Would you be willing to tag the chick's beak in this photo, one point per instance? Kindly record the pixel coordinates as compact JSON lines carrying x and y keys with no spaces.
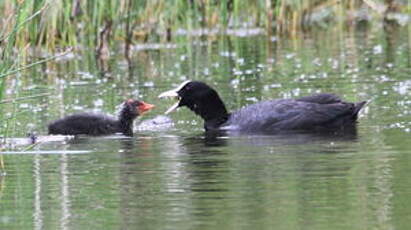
{"x":144,"y":107}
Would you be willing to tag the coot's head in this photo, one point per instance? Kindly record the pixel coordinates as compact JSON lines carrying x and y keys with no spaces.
{"x":132,"y":108}
{"x":199,"y":97}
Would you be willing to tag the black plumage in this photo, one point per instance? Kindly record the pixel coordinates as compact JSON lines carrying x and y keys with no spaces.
{"x":316,"y":112}
{"x":96,"y":124}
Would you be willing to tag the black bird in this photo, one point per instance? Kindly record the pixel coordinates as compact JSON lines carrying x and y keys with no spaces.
{"x":99,"y":124}
{"x":310,"y":113}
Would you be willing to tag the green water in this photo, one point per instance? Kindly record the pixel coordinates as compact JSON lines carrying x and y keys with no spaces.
{"x":177,"y":178}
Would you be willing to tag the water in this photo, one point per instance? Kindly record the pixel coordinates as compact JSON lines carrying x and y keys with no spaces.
{"x":176,"y":177}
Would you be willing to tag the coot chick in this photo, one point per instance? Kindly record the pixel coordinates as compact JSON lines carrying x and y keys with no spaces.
{"x":311,"y":113}
{"x":99,"y":124}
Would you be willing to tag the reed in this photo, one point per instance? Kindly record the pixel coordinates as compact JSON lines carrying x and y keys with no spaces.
{"x":74,"y":22}
{"x":12,"y":58}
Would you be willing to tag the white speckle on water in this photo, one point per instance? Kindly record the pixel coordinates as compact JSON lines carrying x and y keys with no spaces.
{"x":377,"y":49}
{"x":228,"y":54}
{"x":98,"y":102}
{"x":317,"y":62}
{"x":289,"y":56}
{"x":251,"y":99}
{"x":135,"y":92}
{"x":79,"y":83}
{"x":275,"y":86}
{"x":149,"y":84}
{"x":77,"y":107}
{"x":206,"y":71}
{"x":235,"y":82}
{"x":85,"y":75}
{"x":24,"y":106}
{"x":237,"y":72}
{"x":249,"y":71}
{"x":403,"y":87}
{"x":384,"y":78}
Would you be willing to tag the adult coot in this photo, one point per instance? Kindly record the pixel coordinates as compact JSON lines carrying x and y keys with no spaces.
{"x":311,"y":113}
{"x":100,"y":124}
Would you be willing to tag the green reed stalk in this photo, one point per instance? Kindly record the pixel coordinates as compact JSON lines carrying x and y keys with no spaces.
{"x":11,"y":61}
{"x":74,"y":22}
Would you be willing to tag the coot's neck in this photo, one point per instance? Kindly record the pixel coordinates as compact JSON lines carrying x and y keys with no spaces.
{"x":216,"y":123}
{"x":125,"y":122}
{"x":212,"y":110}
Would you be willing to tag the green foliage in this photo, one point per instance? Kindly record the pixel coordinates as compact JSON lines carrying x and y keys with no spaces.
{"x":68,"y":22}
{"x":12,"y":37}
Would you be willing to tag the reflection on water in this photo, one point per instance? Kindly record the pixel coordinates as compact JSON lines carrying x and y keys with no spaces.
{"x":38,"y":213}
{"x":178,"y":177}
{"x":187,"y":180}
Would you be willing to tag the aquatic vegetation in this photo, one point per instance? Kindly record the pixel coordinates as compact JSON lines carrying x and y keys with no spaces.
{"x":101,"y":24}
{"x":12,"y":61}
